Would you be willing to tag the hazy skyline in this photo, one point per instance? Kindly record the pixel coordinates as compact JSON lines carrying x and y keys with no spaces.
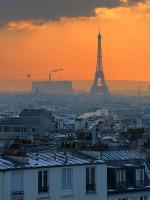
{"x":36,"y":36}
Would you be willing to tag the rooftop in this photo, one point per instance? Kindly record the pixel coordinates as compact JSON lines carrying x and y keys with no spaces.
{"x":53,"y":158}
{"x":47,"y":159}
{"x":32,"y":112}
{"x":120,"y":155}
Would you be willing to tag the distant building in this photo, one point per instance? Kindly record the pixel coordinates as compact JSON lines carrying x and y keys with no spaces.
{"x":37,"y":117}
{"x":52,"y":87}
{"x":29,"y":122}
{"x":65,"y":121}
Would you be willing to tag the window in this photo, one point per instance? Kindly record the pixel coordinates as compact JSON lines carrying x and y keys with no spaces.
{"x":143,"y":198}
{"x":42,"y":181}
{"x":90,"y":179}
{"x":67,"y":174}
{"x":140,"y":177}
{"x":17,"y":181}
{"x":33,"y":129}
{"x":121,"y":177}
{"x":6,"y":129}
{"x":16,"y":129}
{"x":25,"y":129}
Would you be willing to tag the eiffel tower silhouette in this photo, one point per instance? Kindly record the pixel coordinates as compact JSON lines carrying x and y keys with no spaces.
{"x":99,"y":85}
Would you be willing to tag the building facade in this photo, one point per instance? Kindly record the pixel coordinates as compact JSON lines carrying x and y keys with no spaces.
{"x":74,"y":175}
{"x":52,"y":87}
{"x":53,"y":176}
{"x":30,"y":122}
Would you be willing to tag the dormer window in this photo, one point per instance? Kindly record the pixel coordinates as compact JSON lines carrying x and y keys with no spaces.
{"x":139,"y":177}
{"x":121,"y":178}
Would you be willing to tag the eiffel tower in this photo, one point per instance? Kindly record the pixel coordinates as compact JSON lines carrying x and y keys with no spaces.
{"x":99,"y":85}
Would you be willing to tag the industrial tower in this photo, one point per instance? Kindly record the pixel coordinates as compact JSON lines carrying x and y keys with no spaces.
{"x":99,"y":85}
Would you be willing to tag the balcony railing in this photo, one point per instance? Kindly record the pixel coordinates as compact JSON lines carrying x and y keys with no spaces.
{"x":121,"y":184}
{"x":43,"y":190}
{"x":17,"y":195}
{"x":139,"y":183}
{"x":91,"y":187}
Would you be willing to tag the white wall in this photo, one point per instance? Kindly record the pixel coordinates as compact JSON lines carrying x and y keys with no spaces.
{"x":79,"y":184}
{"x":78,"y":192}
{"x":5,"y":185}
{"x":30,"y":182}
{"x":1,"y":185}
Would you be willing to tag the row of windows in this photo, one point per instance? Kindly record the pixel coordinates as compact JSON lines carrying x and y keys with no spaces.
{"x":139,"y":177}
{"x":16,"y":129}
{"x":67,"y":180}
{"x":134,"y":198}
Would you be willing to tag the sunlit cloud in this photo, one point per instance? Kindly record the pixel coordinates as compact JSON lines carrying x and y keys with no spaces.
{"x":85,"y":10}
{"x":139,"y":10}
{"x":124,"y":1}
{"x":142,"y":10}
{"x":105,"y":13}
{"x":25,"y":25}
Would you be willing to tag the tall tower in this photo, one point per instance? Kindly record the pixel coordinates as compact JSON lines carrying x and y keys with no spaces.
{"x":99,"y":85}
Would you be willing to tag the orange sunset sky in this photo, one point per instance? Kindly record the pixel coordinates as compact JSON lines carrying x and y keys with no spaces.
{"x":71,"y":43}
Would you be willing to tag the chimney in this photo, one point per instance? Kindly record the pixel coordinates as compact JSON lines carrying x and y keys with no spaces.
{"x":94,"y":135}
{"x":50,"y":78}
{"x":16,"y":155}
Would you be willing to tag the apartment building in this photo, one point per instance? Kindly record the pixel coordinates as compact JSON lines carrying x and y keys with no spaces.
{"x":52,"y":175}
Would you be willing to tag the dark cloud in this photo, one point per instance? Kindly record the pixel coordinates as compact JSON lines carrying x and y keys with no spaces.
{"x":42,"y":10}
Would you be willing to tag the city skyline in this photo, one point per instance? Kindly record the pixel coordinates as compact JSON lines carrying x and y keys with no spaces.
{"x":32,"y":45}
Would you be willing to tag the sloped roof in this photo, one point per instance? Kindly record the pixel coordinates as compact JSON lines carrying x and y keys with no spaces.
{"x":121,"y":155}
{"x":48,"y":159}
{"x":32,"y":112}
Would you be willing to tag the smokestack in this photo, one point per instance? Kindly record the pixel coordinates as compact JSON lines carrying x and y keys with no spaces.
{"x":94,"y":135}
{"x":50,"y":78}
